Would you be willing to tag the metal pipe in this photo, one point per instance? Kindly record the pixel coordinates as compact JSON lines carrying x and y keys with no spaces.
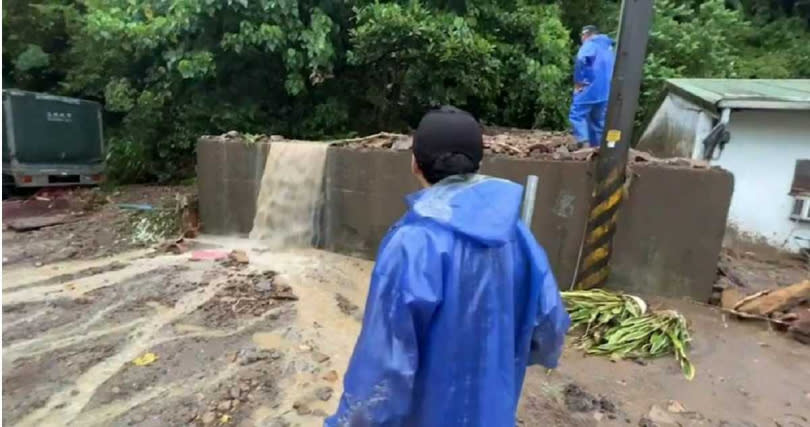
{"x":529,"y":195}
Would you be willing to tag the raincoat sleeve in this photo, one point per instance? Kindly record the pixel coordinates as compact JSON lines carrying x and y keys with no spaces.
{"x":404,"y":293}
{"x":583,"y":64}
{"x":552,"y":321}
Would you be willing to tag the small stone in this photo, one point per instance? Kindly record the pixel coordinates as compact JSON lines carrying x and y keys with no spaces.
{"x":209,"y":418}
{"x":248,"y":356}
{"x":239,"y":256}
{"x":607,"y":406}
{"x":116,"y":390}
{"x":302,"y":408}
{"x":76,"y":392}
{"x":264,"y":286}
{"x":660,"y":418}
{"x":304,"y":347}
{"x":232,"y":134}
{"x":38,"y":264}
{"x":324,"y":393}
{"x":281,"y":280}
{"x":675,"y":407}
{"x":402,"y":143}
{"x":251,"y":397}
{"x":223,"y":406}
{"x":319,"y":357}
{"x":234,"y":392}
{"x":331,"y":376}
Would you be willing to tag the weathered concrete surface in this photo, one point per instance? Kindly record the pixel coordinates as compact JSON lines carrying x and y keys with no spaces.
{"x":560,"y":209}
{"x":363,"y":202}
{"x":364,"y":196}
{"x":669,"y":231}
{"x":229,"y":175}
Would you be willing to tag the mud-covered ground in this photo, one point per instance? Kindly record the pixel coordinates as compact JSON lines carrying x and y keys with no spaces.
{"x":266,"y":344}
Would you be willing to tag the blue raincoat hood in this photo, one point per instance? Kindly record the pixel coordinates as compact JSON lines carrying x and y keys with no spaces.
{"x":593,"y":68}
{"x":461,"y":300}
{"x":601,"y":40}
{"x":481,"y":208}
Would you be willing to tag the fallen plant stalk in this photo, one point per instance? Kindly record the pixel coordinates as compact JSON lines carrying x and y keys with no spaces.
{"x":619,"y":326}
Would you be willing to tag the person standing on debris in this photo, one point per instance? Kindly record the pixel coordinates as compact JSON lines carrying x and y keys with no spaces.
{"x":593,"y":69}
{"x":462,"y":297}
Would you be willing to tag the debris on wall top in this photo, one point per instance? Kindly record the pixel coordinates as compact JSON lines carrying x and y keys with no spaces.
{"x":508,"y":142}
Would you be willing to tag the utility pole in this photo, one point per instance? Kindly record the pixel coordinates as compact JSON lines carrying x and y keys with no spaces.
{"x":597,"y":243}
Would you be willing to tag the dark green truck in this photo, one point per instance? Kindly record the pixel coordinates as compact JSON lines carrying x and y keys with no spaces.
{"x":50,"y":141}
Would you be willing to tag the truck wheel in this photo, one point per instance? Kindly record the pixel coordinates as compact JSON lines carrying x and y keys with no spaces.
{"x":8,"y":186}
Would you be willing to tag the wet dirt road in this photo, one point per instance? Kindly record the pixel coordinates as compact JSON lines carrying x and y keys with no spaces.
{"x":234,"y":344}
{"x":234,"y":347}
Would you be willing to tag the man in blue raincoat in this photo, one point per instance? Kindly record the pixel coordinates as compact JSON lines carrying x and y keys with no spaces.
{"x":593,"y":69}
{"x":461,"y":300}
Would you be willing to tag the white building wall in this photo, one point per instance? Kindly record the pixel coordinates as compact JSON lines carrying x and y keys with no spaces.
{"x":762,"y":156}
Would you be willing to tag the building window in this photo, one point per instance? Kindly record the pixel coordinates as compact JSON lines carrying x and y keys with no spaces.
{"x":800,"y":190}
{"x":798,"y":207}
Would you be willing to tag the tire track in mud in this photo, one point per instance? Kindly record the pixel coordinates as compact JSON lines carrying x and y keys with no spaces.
{"x":64,"y":407}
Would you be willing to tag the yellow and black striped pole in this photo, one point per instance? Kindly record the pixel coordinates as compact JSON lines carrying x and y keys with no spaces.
{"x":597,"y":243}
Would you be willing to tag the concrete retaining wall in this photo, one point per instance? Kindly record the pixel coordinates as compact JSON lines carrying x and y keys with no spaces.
{"x":669,"y":232}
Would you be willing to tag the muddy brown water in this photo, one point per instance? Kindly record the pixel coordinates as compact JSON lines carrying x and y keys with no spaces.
{"x":224,"y":347}
{"x":290,"y":194}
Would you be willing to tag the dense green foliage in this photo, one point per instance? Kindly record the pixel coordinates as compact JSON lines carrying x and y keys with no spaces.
{"x":169,"y":71}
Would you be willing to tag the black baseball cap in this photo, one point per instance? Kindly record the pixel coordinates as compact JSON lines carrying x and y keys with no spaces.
{"x":448,"y":130}
{"x":589,"y":29}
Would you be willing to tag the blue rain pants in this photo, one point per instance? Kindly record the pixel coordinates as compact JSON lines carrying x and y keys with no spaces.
{"x":588,"y":122}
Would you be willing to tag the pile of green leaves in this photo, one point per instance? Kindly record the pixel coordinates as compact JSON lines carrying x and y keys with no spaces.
{"x":619,"y":326}
{"x":595,"y":309}
{"x":154,"y":226}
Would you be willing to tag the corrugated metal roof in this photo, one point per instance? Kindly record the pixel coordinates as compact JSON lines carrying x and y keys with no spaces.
{"x":759,"y":94}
